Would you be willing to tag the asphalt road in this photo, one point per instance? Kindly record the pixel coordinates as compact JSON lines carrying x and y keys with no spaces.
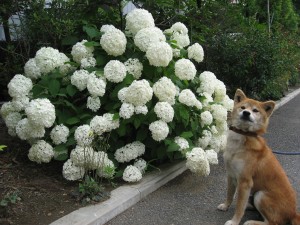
{"x":192,"y":200}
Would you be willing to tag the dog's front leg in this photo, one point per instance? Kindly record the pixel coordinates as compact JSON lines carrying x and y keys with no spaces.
{"x":230,"y":193}
{"x":243,"y":192}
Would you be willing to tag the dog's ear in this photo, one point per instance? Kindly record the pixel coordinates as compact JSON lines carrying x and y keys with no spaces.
{"x":269,"y":107}
{"x":239,"y":96}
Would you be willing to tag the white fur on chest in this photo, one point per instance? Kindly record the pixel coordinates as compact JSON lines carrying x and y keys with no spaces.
{"x":232,"y":155}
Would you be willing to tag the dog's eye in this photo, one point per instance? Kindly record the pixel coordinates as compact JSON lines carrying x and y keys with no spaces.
{"x":243,"y":107}
{"x":255,"y":110}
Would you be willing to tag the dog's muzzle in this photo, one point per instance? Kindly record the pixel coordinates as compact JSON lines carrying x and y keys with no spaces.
{"x":246,"y":116}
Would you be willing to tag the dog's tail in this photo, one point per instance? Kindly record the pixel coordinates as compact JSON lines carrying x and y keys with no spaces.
{"x":296,"y":219}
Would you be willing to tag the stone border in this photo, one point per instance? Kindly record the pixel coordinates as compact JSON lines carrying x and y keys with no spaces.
{"x":126,"y":196}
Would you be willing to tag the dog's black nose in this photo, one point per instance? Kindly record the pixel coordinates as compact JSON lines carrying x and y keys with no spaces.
{"x":246,"y":113}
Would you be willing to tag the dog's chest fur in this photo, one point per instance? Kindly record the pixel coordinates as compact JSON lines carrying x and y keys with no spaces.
{"x":233,"y":155}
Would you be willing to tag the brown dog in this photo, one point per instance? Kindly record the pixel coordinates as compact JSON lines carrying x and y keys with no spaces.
{"x":252,"y":168}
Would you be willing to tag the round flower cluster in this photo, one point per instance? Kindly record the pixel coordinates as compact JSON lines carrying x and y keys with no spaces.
{"x":207,"y":84}
{"x":132,"y":174}
{"x":188,"y":98}
{"x":138,"y":19}
{"x":164,"y":111}
{"x":84,"y":135}
{"x":126,"y":110}
{"x":159,"y":130}
{"x":129,"y":152}
{"x":93,"y":103}
{"x":219,"y":112}
{"x":113,"y":41}
{"x":80,"y":51}
{"x":196,"y":52}
{"x":11,"y":121}
{"x":179,"y":33}
{"x":115,"y":71}
{"x":206,"y":118}
{"x":134,"y":67}
{"x":19,"y":86}
{"x":147,"y":36}
{"x":41,"y":112}
{"x":139,"y":93}
{"x":159,"y":54}
{"x":31,"y":70}
{"x":40,"y":152}
{"x":185,"y":69}
{"x":88,"y":62}
{"x":79,"y":79}
{"x":105,"y":123}
{"x":71,"y":171}
{"x":141,"y":164}
{"x":182,"y":142}
{"x":141,"y":109}
{"x":96,"y":86}
{"x":212,"y":156}
{"x":59,"y":134}
{"x":165,"y":90}
{"x":28,"y":131}
{"x":197,"y":162}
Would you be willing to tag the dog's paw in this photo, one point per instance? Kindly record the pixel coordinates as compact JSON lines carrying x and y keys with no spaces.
{"x":223,"y":207}
{"x":250,"y":222}
{"x":230,"y":222}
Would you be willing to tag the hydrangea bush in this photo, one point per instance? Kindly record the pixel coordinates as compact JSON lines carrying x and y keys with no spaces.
{"x":138,"y":91}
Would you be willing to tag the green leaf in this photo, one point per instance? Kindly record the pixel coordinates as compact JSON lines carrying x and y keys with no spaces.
{"x":161,"y":152}
{"x":122,"y":130}
{"x":70,"y":105}
{"x":173,"y":147}
{"x":2,"y":147}
{"x":91,"y":44}
{"x":137,"y":123}
{"x":92,"y":32}
{"x":187,"y":134}
{"x":54,"y":87}
{"x":70,"y":40}
{"x":72,"y":121}
{"x":71,"y":90}
{"x":116,"y":116}
{"x":62,"y":156}
{"x":37,"y":90}
{"x":101,"y":61}
{"x":142,"y":134}
{"x":60,"y":148}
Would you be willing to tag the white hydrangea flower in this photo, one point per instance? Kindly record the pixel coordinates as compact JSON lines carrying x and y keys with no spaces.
{"x":83,"y":157}
{"x":221,"y":126}
{"x":113,"y":41}
{"x":188,"y":98}
{"x":208,"y":80}
{"x":185,"y":69}
{"x":105,"y":123}
{"x":106,"y":169}
{"x":79,"y":79}
{"x":26,"y":130}
{"x":219,"y":112}
{"x":139,"y":92}
{"x":20,"y":103}
{"x":87,"y":62}
{"x":207,"y":100}
{"x":204,"y":141}
{"x":11,"y":121}
{"x":182,"y":142}
{"x":80,"y":51}
{"x":182,"y":40}
{"x":196,"y":52}
{"x":132,"y":174}
{"x":228,"y":103}
{"x":147,"y":36}
{"x":197,"y":162}
{"x":31,"y":70}
{"x":138,"y":19}
{"x":212,"y":157}
{"x":59,"y":134}
{"x":129,"y":152}
{"x":220,"y":91}
{"x":215,"y":143}
{"x":206,"y":118}
{"x":179,"y":28}
{"x":165,"y":90}
{"x":47,"y":59}
{"x":141,"y":164}
{"x":96,"y":86}
{"x":41,"y":152}
{"x":84,"y":135}
{"x":19,"y":86}
{"x":115,"y":71}
{"x":41,"y":112}
{"x":126,"y":110}
{"x":159,"y":130}
{"x":107,"y":27}
{"x":134,"y":67}
{"x":7,"y":108}
{"x":176,"y":52}
{"x":71,"y":171}
{"x":93,"y":103}
{"x":122,"y":94}
{"x":214,"y":130}
{"x":164,"y":111}
{"x":141,"y":109}
{"x":159,"y":54}
{"x":64,"y":66}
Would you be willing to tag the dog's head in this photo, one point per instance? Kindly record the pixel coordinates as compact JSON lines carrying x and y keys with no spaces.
{"x":250,"y":115}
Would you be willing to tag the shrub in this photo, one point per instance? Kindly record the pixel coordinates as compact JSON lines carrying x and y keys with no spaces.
{"x":147,"y":103}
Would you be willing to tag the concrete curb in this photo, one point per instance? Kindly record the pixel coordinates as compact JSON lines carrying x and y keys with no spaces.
{"x":126,"y":196}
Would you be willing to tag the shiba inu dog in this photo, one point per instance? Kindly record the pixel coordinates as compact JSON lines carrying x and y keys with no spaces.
{"x":253,"y":170}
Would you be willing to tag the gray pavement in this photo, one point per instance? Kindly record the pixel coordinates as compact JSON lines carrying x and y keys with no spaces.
{"x":192,"y":200}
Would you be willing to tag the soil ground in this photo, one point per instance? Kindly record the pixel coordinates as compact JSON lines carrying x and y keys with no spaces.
{"x":43,"y":195}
